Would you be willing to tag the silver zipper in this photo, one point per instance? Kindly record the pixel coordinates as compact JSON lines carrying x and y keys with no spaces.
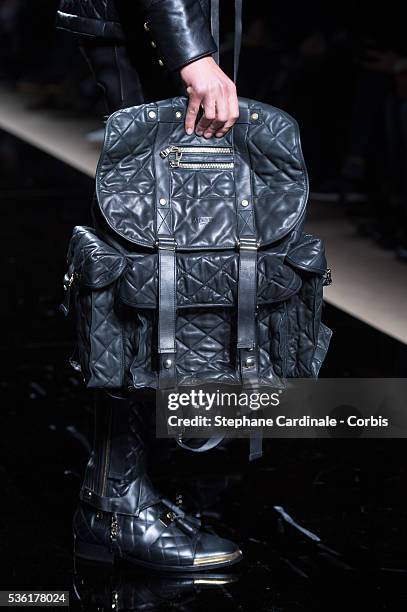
{"x":202,"y":165}
{"x":200,"y":149}
{"x":114,"y":528}
{"x":179,"y":151}
{"x":327,"y":277}
{"x":68,"y":281}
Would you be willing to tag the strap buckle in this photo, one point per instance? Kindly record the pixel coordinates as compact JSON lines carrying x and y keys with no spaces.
{"x":247,"y":244}
{"x":167,"y":518}
{"x":166,"y":243}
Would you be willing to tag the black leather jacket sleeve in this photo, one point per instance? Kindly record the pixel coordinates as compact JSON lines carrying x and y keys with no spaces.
{"x":180,"y":29}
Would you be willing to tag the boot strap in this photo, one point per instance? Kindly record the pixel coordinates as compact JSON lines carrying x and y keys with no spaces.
{"x":132,"y":503}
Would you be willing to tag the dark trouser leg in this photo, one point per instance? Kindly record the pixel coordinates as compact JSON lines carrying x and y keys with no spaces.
{"x":118,"y":457}
{"x":114,"y":73}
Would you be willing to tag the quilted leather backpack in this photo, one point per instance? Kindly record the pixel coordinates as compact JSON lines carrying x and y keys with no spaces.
{"x":199,"y":270}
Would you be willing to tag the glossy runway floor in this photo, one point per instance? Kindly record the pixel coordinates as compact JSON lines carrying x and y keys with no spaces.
{"x":350,"y":493}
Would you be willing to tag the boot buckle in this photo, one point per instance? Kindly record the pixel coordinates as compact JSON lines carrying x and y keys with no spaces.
{"x":167,"y":518}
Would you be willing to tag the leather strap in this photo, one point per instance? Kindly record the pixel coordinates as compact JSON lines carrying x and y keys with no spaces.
{"x":157,"y":528}
{"x":238,"y":38}
{"x":256,"y":446}
{"x":237,"y":35}
{"x":246,"y":314}
{"x":247,"y":294}
{"x":131,"y":503}
{"x":165,"y":520}
{"x":215,"y":27}
{"x":247,"y":286}
{"x":205,"y":446}
{"x":167,"y":312}
{"x":166,"y":260}
{"x":188,"y":525}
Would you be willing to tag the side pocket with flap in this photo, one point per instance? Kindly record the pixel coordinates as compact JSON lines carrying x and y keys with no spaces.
{"x":95,"y":268}
{"x":308,"y":337}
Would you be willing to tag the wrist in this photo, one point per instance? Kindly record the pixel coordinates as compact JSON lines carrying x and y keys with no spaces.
{"x":205,"y":56}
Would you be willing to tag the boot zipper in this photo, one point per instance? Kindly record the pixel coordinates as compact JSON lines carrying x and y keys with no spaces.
{"x":114,"y":528}
{"x":198,"y":165}
{"x":106,"y":456}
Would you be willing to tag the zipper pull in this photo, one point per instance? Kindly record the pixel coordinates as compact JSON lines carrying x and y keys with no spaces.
{"x":68,"y":282}
{"x":174,"y":163}
{"x":327,"y":278}
{"x":165,"y":152}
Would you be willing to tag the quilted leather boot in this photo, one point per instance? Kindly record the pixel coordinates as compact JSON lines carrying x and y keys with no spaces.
{"x":121,"y":515}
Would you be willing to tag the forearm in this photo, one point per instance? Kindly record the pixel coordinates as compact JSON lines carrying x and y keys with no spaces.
{"x":180,"y":29}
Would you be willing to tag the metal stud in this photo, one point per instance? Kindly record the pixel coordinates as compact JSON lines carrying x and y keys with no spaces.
{"x":167,"y":364}
{"x":255,"y":116}
{"x":178,"y":114}
{"x":245,"y":203}
{"x":153,"y":44}
{"x":152,"y":114}
{"x":147,"y":29}
{"x":163,"y":201}
{"x":249,"y":362}
{"x":160,"y":62}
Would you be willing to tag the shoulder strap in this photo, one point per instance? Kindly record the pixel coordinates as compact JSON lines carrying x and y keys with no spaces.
{"x":215,"y":27}
{"x":237,"y":36}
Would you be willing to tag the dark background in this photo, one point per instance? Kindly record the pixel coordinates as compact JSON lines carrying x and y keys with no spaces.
{"x":311,"y":60}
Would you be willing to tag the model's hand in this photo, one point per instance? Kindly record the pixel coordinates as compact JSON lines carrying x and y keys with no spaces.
{"x":208,"y":86}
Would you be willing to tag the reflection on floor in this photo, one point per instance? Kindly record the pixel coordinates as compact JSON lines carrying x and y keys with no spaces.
{"x":350,"y":493}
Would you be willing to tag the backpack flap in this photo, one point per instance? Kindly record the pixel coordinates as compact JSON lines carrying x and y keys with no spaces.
{"x":308,"y":254}
{"x":153,"y":179}
{"x":92,"y":263}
